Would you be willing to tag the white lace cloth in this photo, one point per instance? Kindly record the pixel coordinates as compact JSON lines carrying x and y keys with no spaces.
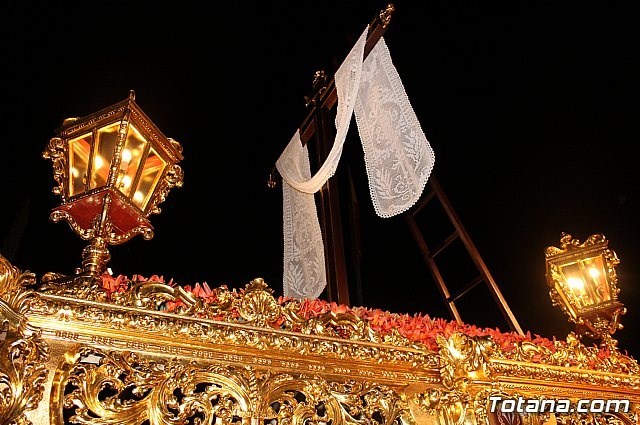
{"x":398,"y":159}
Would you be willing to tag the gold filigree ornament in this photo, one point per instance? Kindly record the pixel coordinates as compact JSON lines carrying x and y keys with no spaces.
{"x":23,"y":352}
{"x":464,"y":359}
{"x":573,"y":353}
{"x":156,"y":354}
{"x":97,"y":387}
{"x":463,"y":362}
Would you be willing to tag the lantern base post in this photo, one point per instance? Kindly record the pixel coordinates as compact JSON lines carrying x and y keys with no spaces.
{"x":87,"y":282}
{"x":95,"y":257}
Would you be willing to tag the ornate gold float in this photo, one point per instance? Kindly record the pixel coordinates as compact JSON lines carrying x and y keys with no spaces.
{"x":152,"y":353}
{"x":92,"y":349}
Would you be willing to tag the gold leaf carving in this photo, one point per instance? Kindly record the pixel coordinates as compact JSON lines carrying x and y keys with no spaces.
{"x":572,"y":353}
{"x":98,"y":387}
{"x":22,"y":351}
{"x":56,"y":152}
{"x":464,"y":358}
{"x":173,"y":177}
{"x":14,"y":285}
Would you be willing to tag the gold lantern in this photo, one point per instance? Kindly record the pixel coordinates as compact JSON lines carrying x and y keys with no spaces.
{"x":583,"y":282}
{"x":113,"y":168}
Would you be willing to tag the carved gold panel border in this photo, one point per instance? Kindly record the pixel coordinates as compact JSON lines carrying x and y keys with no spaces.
{"x":85,"y":359}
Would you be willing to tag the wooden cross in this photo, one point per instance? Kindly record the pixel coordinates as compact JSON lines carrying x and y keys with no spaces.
{"x":318,"y":125}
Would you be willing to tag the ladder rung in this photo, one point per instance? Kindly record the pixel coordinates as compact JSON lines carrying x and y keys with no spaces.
{"x":452,"y":237}
{"x":435,"y":191}
{"x":469,"y":286}
{"x":423,"y":201}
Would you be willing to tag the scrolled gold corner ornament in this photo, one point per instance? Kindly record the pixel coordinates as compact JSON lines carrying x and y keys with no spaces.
{"x":463,"y":361}
{"x":23,"y":353}
{"x":583,"y":282}
{"x":15,"y":286}
{"x":96,"y":387}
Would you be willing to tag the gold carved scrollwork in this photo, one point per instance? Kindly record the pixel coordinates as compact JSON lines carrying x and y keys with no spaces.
{"x":23,"y":353}
{"x":575,"y":418}
{"x":153,"y":295}
{"x":98,"y":387}
{"x":463,"y":359}
{"x":173,"y":177}
{"x":312,"y":400}
{"x":448,"y":407}
{"x":14,"y":286}
{"x":572,"y":353}
{"x":56,"y":152}
{"x":85,"y":234}
{"x":254,"y":305}
{"x":80,"y":286}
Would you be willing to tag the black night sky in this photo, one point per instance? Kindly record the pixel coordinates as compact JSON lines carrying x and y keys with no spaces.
{"x":531,"y":108}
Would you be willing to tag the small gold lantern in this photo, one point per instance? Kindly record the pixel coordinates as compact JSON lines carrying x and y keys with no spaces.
{"x":112,"y":168}
{"x":583,"y":282}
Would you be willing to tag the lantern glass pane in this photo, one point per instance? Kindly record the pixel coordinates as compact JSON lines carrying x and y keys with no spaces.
{"x":596,"y":272}
{"x":132,"y":153}
{"x":586,"y":282}
{"x":103,"y":155}
{"x":151,"y":174}
{"x":578,"y":293}
{"x":79,"y":152}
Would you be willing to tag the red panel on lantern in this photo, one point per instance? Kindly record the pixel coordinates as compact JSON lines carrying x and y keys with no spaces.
{"x":86,"y":210}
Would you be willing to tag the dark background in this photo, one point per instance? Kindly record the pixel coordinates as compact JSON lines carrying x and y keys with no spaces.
{"x":530,"y":106}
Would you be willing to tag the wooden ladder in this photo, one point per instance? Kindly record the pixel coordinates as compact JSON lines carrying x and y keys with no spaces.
{"x":434,"y":193}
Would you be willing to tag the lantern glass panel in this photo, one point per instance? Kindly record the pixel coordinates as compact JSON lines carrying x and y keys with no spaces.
{"x":151,"y":174}
{"x":596,"y":271}
{"x":579,"y":293}
{"x":132,"y":154}
{"x":586,"y":279}
{"x":103,"y":155}
{"x":79,"y":152}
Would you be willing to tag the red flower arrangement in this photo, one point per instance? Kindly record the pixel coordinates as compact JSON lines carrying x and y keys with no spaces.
{"x":416,"y":328}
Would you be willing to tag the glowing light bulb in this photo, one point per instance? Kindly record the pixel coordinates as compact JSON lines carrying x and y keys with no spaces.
{"x":126,"y":155}
{"x":576,"y":283}
{"x":126,"y":182}
{"x":74,"y":172}
{"x":98,"y":162}
{"x":594,"y":273}
{"x":138,"y":197}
